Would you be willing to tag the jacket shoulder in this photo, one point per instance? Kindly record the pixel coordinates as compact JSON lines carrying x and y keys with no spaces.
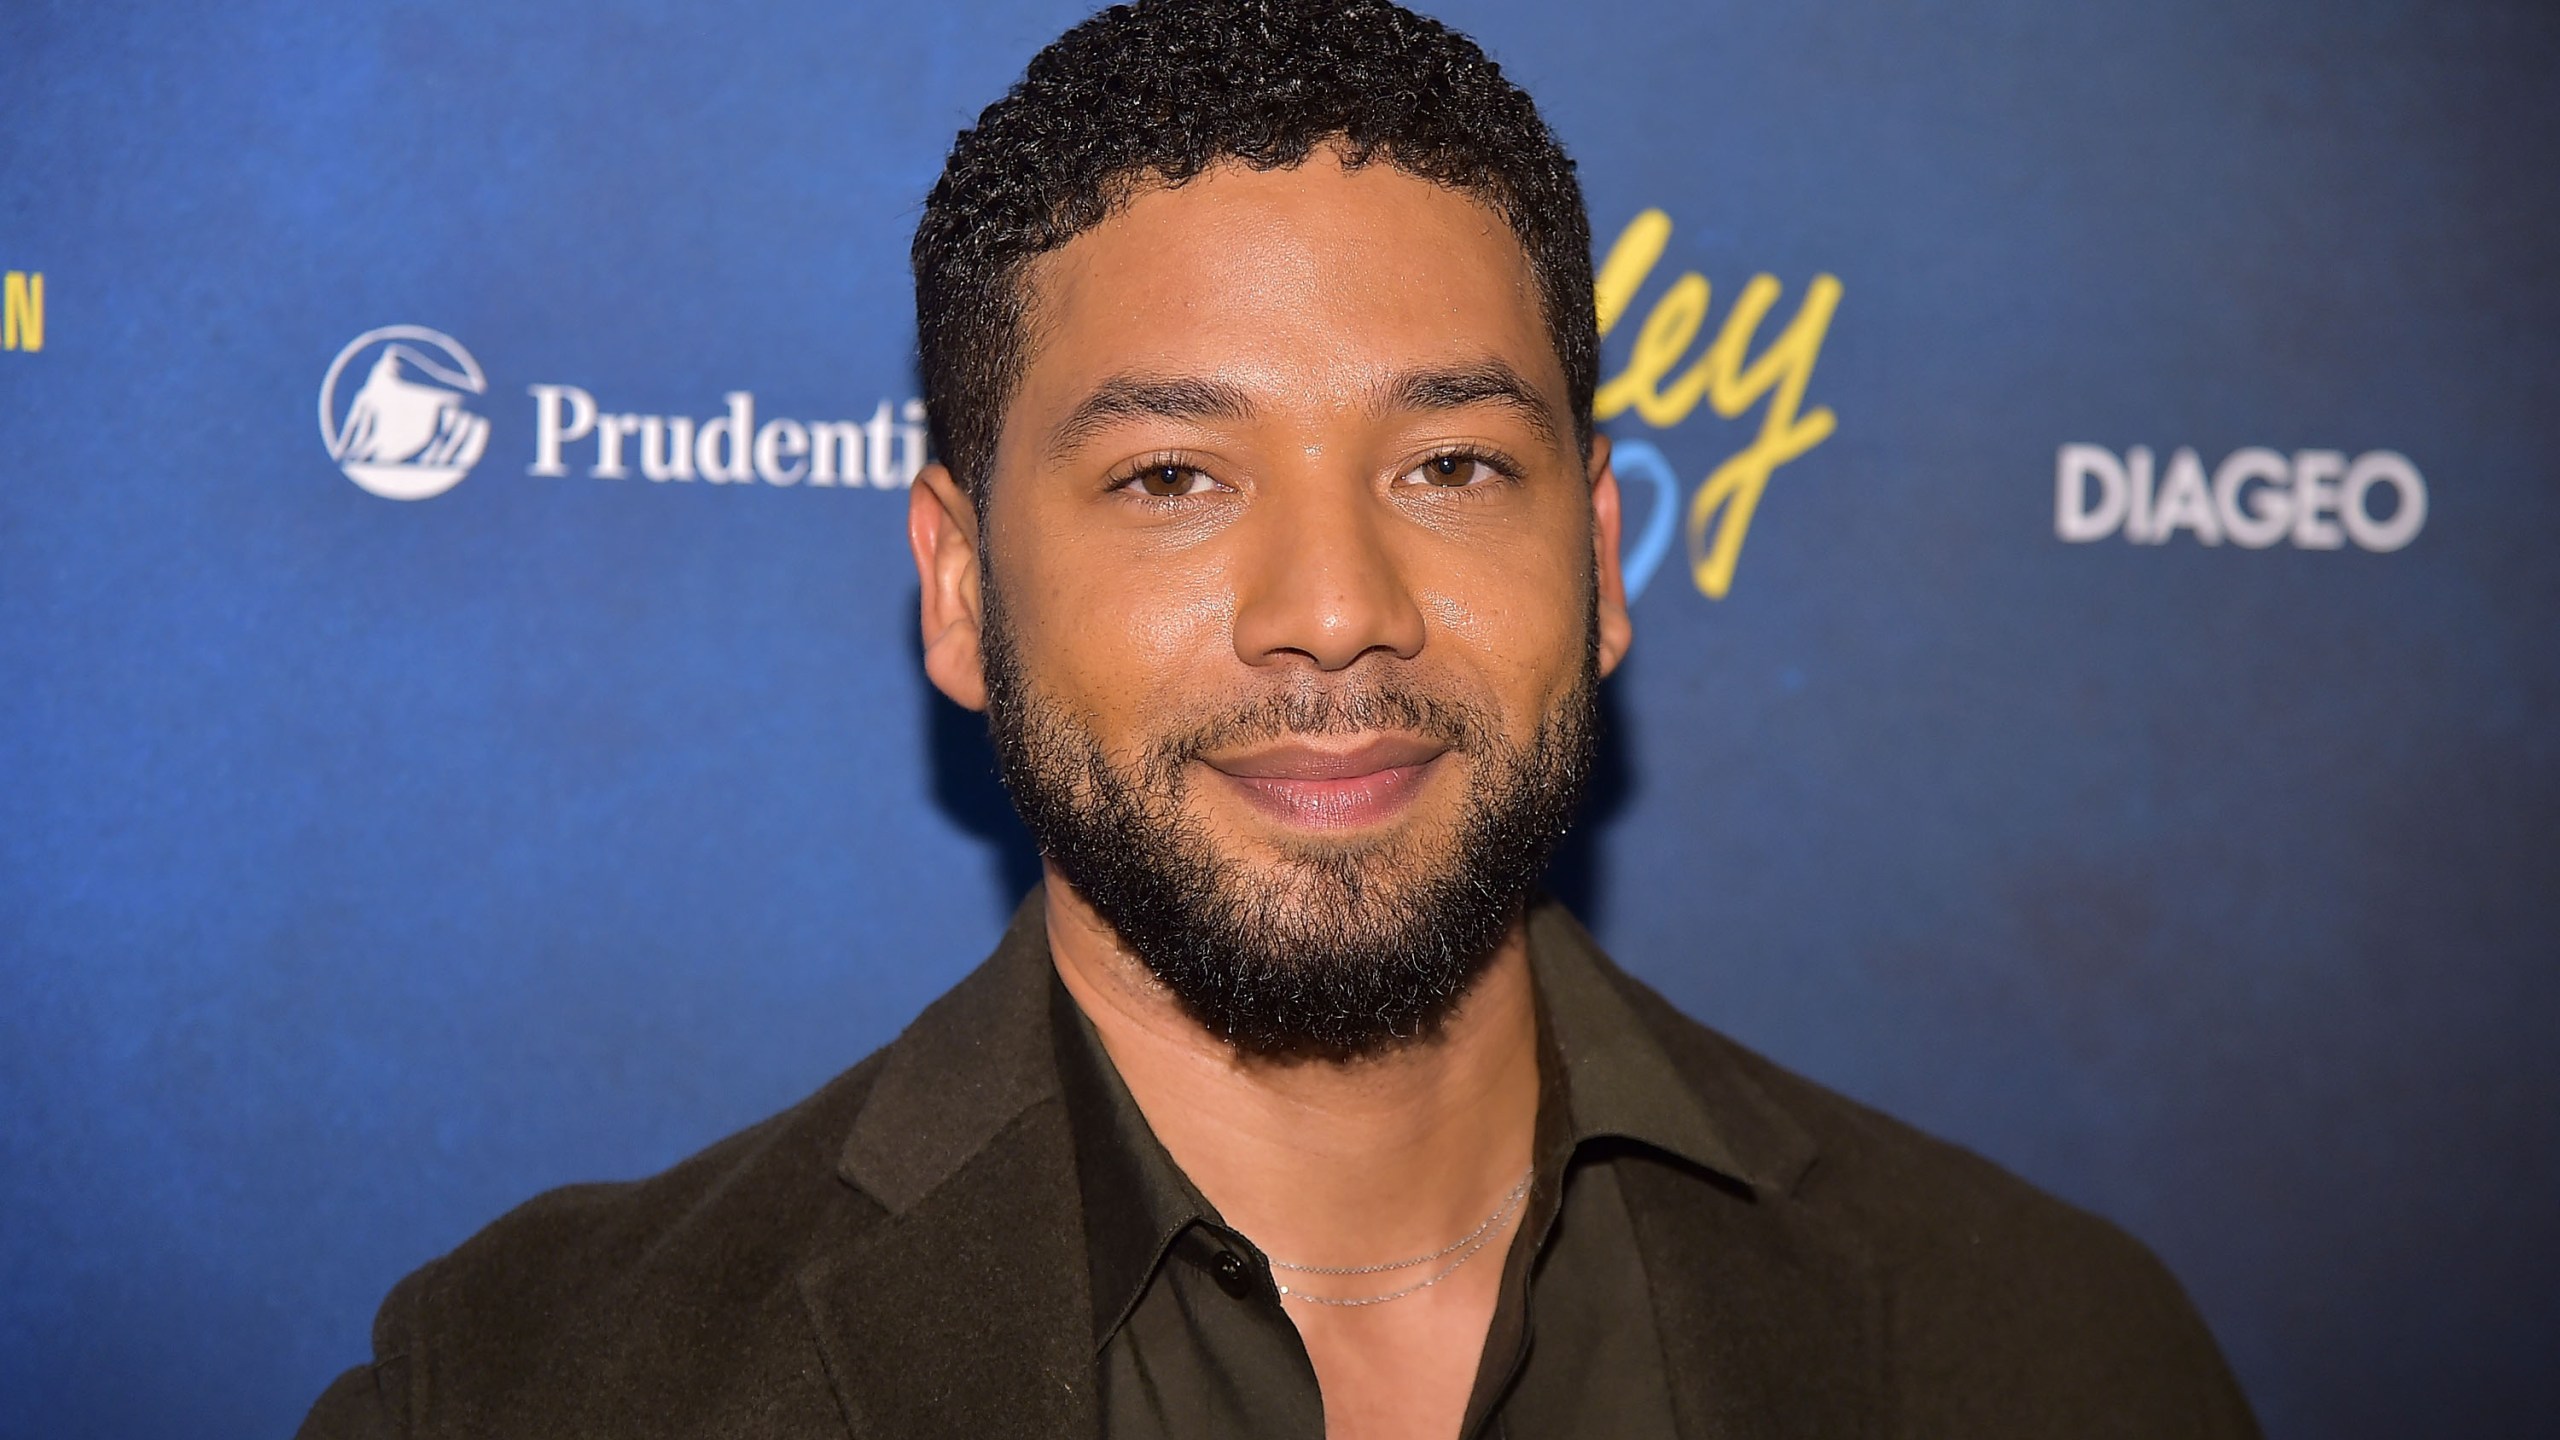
{"x":2005,"y":1309}
{"x":663,"y":1305}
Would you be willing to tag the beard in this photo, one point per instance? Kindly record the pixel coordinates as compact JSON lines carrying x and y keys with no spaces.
{"x":1340,"y":949}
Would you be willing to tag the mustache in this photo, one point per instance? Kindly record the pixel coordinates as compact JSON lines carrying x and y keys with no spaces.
{"x":1330,"y":710}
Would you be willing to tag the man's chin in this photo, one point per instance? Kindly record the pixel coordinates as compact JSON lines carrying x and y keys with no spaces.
{"x":1307,"y":942}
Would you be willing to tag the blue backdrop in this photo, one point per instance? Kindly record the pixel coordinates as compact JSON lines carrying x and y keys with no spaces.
{"x":367,"y":864}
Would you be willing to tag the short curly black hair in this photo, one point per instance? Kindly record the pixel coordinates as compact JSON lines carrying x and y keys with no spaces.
{"x":1161,"y":90}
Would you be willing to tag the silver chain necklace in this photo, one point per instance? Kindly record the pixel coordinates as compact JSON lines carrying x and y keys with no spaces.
{"x":1465,"y":1247}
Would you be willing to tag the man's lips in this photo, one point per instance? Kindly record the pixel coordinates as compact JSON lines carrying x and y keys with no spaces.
{"x":1308,"y":760}
{"x":1331,"y":786}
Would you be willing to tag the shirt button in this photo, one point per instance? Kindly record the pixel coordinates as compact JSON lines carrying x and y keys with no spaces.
{"x":1234,"y":1276}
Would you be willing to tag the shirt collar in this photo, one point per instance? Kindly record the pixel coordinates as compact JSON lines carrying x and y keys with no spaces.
{"x":1137,"y":1201}
{"x":1617,"y":1079}
{"x":1605,"y":1075}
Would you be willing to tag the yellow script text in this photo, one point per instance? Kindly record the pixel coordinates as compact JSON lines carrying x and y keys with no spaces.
{"x":1725,"y":375}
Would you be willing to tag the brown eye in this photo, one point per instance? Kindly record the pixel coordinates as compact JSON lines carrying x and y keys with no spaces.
{"x":1451,"y":471}
{"x":1166,"y":481}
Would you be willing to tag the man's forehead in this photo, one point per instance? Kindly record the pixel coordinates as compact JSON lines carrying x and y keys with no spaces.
{"x":1232,"y":219}
{"x":1268,"y":270}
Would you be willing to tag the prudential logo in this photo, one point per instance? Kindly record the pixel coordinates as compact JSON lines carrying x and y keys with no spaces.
{"x":405,"y":431}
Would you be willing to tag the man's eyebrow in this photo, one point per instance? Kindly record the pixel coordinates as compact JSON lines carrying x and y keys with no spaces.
{"x":1159,"y":397}
{"x":1178,"y":397}
{"x":1483,"y":382}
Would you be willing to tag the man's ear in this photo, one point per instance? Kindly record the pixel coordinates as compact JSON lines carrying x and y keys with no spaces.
{"x":1617,"y":631}
{"x":942,"y":530}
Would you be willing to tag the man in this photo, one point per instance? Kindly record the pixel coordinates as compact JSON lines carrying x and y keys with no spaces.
{"x":1272,"y":535}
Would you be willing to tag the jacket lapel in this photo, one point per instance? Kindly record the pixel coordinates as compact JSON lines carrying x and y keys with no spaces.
{"x":967,"y":1316}
{"x":1770,"y":1325}
{"x":963,"y":1311}
{"x":1771,"y":1318}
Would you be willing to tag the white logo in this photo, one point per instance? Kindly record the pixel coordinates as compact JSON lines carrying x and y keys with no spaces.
{"x":883,"y":452}
{"x":405,"y":433}
{"x":2257,"y":497}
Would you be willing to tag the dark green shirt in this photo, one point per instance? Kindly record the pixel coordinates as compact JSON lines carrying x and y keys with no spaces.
{"x":1190,"y":1336}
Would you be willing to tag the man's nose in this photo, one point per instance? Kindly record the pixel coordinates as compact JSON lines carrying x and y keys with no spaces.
{"x":1317,"y":581}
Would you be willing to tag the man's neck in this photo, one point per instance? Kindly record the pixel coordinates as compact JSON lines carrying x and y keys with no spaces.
{"x":1321,"y":1163}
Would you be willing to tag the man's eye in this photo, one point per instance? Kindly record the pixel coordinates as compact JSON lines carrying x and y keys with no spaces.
{"x":1166,"y":482}
{"x":1454,"y":472}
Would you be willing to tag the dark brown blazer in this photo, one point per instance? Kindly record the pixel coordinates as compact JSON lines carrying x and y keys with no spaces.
{"x":902,"y":1254}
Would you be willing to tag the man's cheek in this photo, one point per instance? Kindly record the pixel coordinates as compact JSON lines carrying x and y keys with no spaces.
{"x":1166,"y":627}
{"x":1515,"y":624}
{"x":1117,"y":626}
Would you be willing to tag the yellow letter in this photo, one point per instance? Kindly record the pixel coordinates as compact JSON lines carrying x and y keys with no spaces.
{"x":1668,"y":328}
{"x":1724,"y":376}
{"x":1631,"y":258}
{"x":1786,"y":366}
{"x":23,"y":327}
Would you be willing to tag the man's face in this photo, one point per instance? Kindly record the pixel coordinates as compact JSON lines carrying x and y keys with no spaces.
{"x":1296,"y":588}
